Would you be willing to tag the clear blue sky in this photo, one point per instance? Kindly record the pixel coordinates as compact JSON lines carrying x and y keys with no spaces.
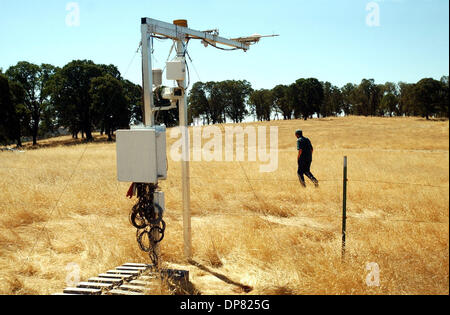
{"x":326,"y":39}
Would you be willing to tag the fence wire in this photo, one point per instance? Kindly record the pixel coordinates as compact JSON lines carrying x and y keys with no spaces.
{"x":249,"y":180}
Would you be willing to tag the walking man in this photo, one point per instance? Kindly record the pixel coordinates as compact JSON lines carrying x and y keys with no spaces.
{"x":305,"y":152}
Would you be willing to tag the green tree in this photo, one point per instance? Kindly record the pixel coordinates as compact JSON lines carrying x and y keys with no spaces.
{"x":333,"y":102}
{"x":261,"y":104}
{"x":112,"y":70}
{"x":198,"y":103}
{"x":9,"y":122}
{"x":443,"y":106}
{"x":22,"y":112}
{"x":348,"y":92}
{"x":216,"y":103}
{"x":283,"y":101}
{"x":429,"y":96}
{"x":34,"y":80}
{"x":367,"y":98}
{"x":235,"y":95}
{"x":308,"y":94}
{"x":133,"y":94}
{"x":15,"y":115}
{"x":109,"y":105}
{"x":325,"y":108}
{"x":337,"y":101}
{"x":362,"y":97}
{"x":49,"y":122}
{"x":389,"y":103}
{"x":70,"y":93}
{"x":407,"y":102}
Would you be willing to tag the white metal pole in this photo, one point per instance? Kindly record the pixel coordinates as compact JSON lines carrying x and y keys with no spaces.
{"x":185,"y":161}
{"x":147,"y":76}
{"x":147,"y":85}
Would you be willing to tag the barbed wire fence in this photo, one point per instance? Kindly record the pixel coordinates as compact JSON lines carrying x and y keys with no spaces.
{"x":248,"y":180}
{"x":339,"y":188}
{"x":345,"y":181}
{"x":259,"y":199}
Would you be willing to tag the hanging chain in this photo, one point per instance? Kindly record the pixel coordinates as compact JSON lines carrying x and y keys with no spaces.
{"x":147,"y":216}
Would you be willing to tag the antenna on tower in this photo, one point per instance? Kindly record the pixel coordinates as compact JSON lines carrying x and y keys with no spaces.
{"x":253,"y":39}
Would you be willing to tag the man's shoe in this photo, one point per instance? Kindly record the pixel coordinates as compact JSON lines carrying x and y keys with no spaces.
{"x":302,"y":182}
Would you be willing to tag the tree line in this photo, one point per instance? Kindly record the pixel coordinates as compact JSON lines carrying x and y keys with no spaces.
{"x":215,"y":102}
{"x":82,"y":97}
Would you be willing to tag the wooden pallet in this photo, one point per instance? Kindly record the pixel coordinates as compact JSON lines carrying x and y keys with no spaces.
{"x":128,"y":279}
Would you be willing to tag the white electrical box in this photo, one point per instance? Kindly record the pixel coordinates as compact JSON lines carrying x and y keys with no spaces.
{"x":141,"y":155}
{"x":176,"y":70}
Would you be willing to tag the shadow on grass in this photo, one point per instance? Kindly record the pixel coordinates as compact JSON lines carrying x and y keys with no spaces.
{"x":243,"y":287}
{"x":432,"y":119}
{"x":52,"y":143}
{"x":182,"y":287}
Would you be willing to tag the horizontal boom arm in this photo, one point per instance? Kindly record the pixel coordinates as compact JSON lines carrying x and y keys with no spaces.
{"x":180,"y":33}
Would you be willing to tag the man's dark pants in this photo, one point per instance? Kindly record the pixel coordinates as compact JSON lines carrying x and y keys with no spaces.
{"x":304,"y":168}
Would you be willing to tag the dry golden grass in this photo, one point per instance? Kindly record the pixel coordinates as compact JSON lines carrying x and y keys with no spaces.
{"x":62,"y":204}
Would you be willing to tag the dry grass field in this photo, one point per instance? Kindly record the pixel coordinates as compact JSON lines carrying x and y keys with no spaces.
{"x":61,"y":204}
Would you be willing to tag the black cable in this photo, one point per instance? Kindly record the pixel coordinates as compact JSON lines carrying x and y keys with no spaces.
{"x":157,"y":112}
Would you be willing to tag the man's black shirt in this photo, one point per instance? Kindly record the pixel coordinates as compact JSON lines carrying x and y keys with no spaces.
{"x":305,"y":145}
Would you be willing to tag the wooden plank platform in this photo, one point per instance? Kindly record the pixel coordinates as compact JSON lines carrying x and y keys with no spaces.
{"x":137,"y":265}
{"x":116,"y":276}
{"x":124,"y":272}
{"x":114,"y":281}
{"x":95,"y":285}
{"x":128,"y":279}
{"x":122,"y":292}
{"x":126,"y":268}
{"x":82,"y":291}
